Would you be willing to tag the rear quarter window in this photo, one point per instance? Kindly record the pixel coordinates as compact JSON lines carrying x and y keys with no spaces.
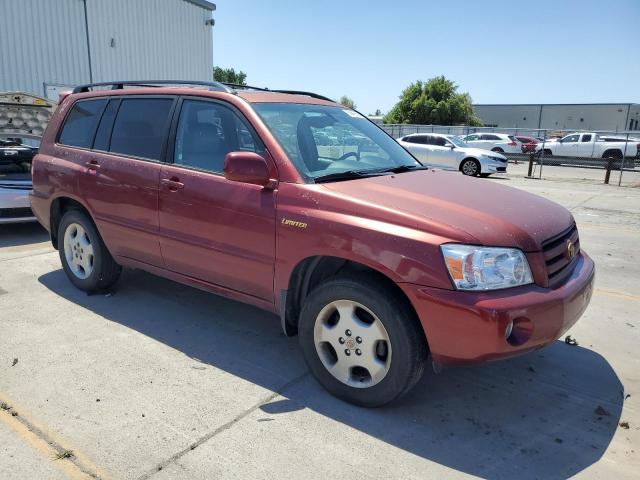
{"x":80,"y":125}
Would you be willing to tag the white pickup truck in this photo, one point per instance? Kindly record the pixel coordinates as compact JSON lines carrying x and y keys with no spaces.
{"x":591,"y":145}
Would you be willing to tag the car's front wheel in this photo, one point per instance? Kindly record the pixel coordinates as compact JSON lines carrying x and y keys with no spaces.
{"x":361,"y":340}
{"x":84,"y":256}
{"x":470,"y":167}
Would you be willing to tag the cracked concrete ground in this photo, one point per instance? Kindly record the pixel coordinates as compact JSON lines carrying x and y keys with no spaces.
{"x":162,"y":381}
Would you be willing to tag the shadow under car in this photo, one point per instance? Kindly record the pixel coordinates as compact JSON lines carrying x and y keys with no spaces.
{"x":534,"y":416}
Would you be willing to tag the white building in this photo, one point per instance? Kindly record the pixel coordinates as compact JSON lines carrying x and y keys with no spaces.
{"x":575,"y":116}
{"x":46,"y":44}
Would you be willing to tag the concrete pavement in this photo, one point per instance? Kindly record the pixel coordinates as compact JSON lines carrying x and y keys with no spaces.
{"x":158,"y":380}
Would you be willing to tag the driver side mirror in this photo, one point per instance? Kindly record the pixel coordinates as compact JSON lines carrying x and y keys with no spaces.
{"x":248,"y":167}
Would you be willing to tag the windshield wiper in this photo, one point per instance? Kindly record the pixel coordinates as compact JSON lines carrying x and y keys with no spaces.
{"x":347,"y":175}
{"x":403,"y":168}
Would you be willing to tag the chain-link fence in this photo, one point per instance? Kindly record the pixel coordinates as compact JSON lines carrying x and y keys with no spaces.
{"x":604,"y":156}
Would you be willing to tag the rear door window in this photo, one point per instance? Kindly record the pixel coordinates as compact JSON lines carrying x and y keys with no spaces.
{"x":80,"y":125}
{"x":140,"y":127}
{"x":586,"y":138}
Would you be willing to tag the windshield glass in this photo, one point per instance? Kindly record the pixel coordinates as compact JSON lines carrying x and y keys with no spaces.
{"x":457,"y":141}
{"x":322,"y":140}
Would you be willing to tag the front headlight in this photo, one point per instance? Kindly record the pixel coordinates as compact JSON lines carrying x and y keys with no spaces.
{"x":486,"y":268}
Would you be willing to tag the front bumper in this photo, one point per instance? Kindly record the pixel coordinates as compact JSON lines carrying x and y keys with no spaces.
{"x":469,"y":327}
{"x":15,"y":206}
{"x":493,"y":167}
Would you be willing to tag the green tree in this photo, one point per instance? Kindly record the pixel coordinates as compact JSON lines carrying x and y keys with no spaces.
{"x":229,"y":75}
{"x":434,"y":102}
{"x":347,"y":102}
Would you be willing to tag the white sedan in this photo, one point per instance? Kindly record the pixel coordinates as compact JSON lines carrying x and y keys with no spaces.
{"x":450,"y":152}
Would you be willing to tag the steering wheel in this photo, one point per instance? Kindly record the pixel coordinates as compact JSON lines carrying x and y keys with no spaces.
{"x":349,"y":154}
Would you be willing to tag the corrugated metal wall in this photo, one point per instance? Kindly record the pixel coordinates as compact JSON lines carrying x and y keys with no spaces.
{"x":156,"y":39}
{"x":44,"y":41}
{"x":564,"y":117}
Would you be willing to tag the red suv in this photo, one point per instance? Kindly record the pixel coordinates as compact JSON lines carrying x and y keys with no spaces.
{"x":298,"y":205}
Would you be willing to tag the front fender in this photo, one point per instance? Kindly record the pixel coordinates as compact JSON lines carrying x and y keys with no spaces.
{"x":306,"y":229}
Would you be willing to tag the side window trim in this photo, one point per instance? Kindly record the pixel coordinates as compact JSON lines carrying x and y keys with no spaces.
{"x":171,"y":143}
{"x":113,"y":121}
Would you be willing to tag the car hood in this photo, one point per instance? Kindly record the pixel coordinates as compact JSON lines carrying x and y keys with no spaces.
{"x":457,"y":207}
{"x":476,"y":152}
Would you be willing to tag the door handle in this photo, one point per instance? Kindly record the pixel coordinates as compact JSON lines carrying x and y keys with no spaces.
{"x":92,"y":166}
{"x":174,"y":184}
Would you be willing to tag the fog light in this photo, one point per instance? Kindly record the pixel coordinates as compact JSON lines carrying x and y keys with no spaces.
{"x":508,"y":330}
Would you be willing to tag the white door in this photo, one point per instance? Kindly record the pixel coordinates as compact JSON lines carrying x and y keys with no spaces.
{"x":568,"y":146}
{"x":416,"y":144}
{"x":441,"y":152}
{"x":585,"y":145}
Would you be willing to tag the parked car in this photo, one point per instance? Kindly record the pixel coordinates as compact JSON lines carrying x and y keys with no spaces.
{"x":496,"y":142}
{"x":23,"y":118}
{"x":591,"y":145}
{"x":376,"y":261}
{"x":451,"y":152}
{"x":528,"y":143}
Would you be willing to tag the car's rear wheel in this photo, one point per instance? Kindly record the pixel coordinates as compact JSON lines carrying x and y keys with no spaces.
{"x":470,"y":167}
{"x":361,"y":340}
{"x":85,"y":259}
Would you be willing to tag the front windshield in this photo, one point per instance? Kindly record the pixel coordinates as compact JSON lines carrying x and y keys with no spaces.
{"x":457,"y":141}
{"x":322,"y":140}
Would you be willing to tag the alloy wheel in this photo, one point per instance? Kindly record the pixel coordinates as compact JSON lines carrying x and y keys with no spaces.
{"x":352,"y":343}
{"x":78,"y":251}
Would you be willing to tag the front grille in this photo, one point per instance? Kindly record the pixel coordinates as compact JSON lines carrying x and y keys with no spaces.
{"x":15,"y":212}
{"x":555,"y":250}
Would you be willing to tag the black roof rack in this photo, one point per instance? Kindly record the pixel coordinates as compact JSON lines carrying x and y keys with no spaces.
{"x":217,"y":86}
{"x":261,"y":89}
{"x":119,"y":85}
{"x":239,"y":86}
{"x":308,"y":94}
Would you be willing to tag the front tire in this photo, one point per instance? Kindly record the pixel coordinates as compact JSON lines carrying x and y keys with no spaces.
{"x":84,"y":256}
{"x":470,"y":167}
{"x":361,"y":340}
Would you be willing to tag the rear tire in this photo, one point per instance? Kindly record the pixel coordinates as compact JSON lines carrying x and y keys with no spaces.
{"x":470,"y":167}
{"x":84,"y":256}
{"x":361,"y":315}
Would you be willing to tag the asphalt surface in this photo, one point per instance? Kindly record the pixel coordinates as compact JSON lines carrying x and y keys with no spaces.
{"x":158,"y":380}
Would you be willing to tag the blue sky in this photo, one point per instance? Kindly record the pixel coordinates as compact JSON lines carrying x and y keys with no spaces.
{"x":543,"y":51}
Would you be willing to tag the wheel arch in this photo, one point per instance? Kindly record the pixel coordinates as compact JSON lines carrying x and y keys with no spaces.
{"x":58,"y":207}
{"x":312,"y":271}
{"x":612,"y":153}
